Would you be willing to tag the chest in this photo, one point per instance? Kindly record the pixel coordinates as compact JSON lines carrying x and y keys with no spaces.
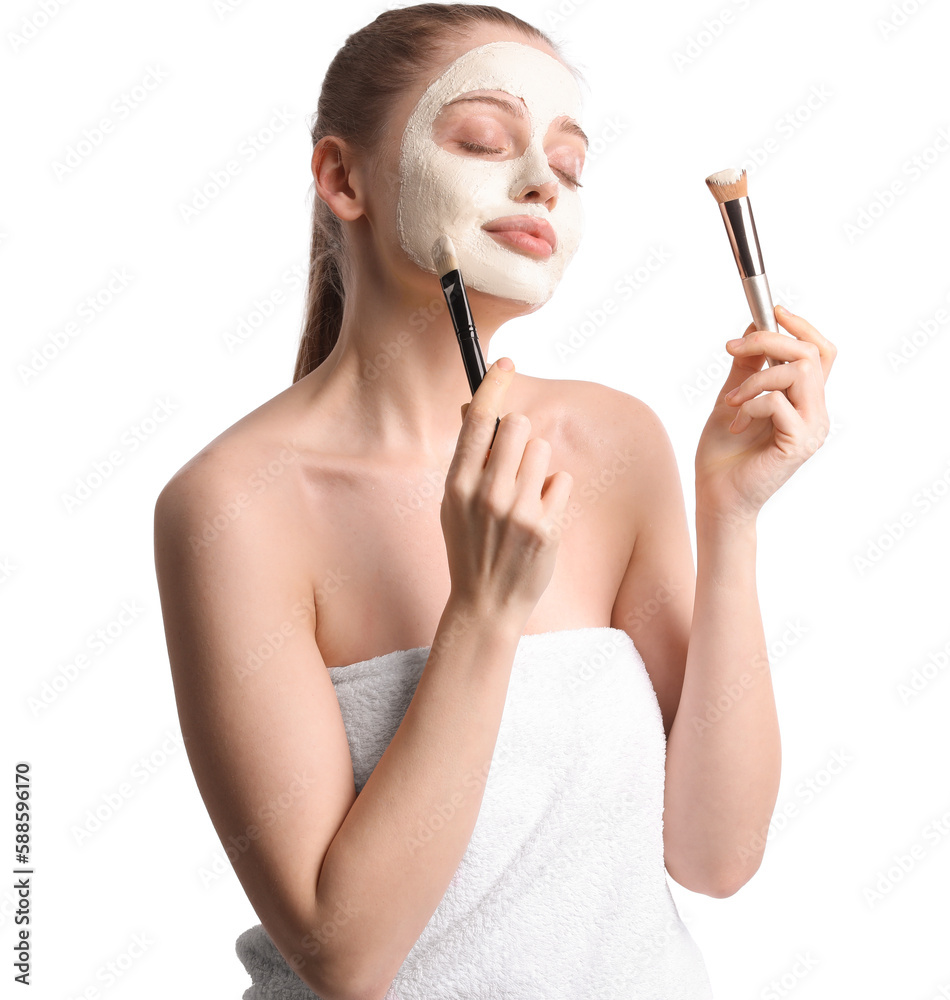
{"x":382,"y":579}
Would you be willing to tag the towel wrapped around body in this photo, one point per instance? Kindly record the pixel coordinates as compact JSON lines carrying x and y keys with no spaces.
{"x":562,"y":891}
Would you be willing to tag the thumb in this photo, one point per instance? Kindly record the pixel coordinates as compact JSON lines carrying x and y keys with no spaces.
{"x":465,"y":407}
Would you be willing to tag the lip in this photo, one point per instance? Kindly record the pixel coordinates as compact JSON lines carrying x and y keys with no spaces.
{"x":524,"y":232}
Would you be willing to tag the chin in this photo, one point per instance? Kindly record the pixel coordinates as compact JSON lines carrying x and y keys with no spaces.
{"x":501,"y":307}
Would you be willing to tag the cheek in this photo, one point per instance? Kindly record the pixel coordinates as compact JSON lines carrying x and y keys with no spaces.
{"x":458,"y":187}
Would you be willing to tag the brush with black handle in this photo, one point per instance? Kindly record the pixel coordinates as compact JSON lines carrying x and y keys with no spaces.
{"x":447,"y":267}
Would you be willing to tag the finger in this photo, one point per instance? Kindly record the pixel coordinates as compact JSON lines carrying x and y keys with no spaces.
{"x":779,"y":346}
{"x":478,"y":423}
{"x":743,"y":365}
{"x":556,"y":494}
{"x":799,"y":379}
{"x":803,"y":330}
{"x":776,"y":406}
{"x":506,"y":454}
{"x":535,"y":460}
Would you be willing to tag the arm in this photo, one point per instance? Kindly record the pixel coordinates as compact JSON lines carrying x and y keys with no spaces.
{"x":724,"y":755}
{"x":701,"y":639}
{"x":255,"y":737}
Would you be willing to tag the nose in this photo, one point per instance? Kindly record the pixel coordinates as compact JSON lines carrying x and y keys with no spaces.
{"x":536,"y":182}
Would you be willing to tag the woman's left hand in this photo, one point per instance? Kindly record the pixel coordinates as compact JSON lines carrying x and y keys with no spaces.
{"x":751,"y":444}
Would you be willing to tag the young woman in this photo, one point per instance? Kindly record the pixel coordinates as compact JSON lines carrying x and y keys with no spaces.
{"x":403,"y":653}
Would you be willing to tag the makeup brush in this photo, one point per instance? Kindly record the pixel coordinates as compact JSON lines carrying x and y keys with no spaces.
{"x":730,"y":189}
{"x":447,"y":267}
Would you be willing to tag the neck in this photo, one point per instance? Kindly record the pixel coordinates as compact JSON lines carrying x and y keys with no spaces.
{"x":394,"y":382}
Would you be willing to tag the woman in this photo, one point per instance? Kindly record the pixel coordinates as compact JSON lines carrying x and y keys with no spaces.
{"x":437,"y":761}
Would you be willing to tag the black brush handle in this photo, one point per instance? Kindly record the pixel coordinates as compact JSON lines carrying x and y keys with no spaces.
{"x":457,"y":301}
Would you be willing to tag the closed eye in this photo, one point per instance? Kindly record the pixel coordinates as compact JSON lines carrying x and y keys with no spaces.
{"x":569,"y":178}
{"x":475,"y":147}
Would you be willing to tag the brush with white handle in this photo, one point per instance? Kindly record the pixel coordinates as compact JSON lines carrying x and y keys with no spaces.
{"x":730,"y":189}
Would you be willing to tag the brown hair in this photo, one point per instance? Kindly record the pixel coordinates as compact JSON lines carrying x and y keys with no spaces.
{"x":375,"y":65}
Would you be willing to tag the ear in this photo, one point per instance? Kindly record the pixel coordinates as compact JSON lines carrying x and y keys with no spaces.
{"x":338,"y":178}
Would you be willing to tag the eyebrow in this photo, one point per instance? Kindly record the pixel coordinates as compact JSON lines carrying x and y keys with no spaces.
{"x":518,"y":110}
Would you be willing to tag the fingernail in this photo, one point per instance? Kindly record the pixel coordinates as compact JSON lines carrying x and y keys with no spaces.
{"x":784,"y":310}
{"x":505,"y":363}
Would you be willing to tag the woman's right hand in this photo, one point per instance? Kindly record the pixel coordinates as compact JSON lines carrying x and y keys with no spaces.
{"x":501,"y":512}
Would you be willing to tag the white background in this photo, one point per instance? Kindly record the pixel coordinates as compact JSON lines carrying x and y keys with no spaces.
{"x":850,"y":612}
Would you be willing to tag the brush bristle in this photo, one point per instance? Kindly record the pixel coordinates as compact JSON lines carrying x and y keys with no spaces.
{"x":443,"y":254}
{"x":728,"y":184}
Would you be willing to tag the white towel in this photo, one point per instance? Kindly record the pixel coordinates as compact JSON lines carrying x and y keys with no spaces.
{"x":562,"y":891}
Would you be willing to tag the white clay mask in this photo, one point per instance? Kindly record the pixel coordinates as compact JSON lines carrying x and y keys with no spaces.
{"x":454,"y":193}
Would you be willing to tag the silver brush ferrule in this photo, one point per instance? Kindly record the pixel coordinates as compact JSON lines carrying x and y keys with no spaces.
{"x":740,"y":225}
{"x":737,"y":215}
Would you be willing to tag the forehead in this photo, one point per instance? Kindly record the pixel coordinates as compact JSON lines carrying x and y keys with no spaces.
{"x":544,"y":83}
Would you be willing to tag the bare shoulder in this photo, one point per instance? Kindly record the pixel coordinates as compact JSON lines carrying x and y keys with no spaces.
{"x":591,"y":417}
{"x":258,"y":454}
{"x":243,"y":488}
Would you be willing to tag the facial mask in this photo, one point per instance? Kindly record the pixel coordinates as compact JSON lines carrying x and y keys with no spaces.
{"x":442,"y":193}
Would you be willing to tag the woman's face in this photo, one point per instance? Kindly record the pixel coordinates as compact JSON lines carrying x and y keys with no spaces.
{"x":490,"y":156}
